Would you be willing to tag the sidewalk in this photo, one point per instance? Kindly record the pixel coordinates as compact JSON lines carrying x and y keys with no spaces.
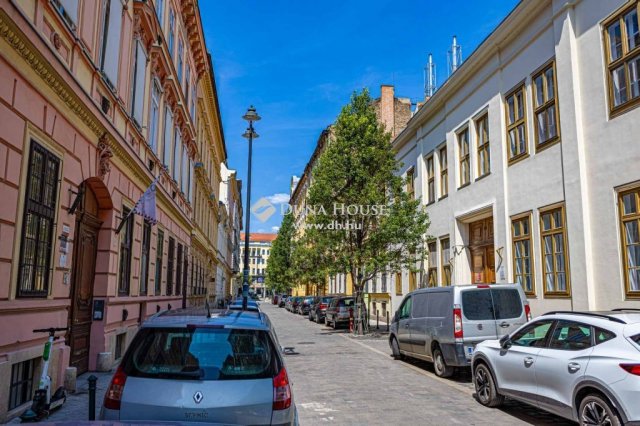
{"x":77,"y":405}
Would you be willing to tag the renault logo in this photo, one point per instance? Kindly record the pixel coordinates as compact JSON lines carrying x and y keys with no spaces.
{"x":198,"y":397}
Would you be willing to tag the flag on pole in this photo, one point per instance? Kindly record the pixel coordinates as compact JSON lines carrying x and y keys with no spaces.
{"x":146,"y":205}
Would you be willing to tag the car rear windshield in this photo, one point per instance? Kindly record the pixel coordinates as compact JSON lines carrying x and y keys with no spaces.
{"x":347,"y":302}
{"x":327,"y":299}
{"x":201,"y":354}
{"x":490,"y":304}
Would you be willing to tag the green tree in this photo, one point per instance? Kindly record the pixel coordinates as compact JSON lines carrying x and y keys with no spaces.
{"x":279,"y":273}
{"x":361,"y":221}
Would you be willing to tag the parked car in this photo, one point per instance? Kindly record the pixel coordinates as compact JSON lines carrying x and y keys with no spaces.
{"x":295,"y":301}
{"x":274,"y":299}
{"x":304,"y":305}
{"x":318,"y":308}
{"x":283,"y":301}
{"x":236,"y":305}
{"x":444,"y":324}
{"x":225,"y":369}
{"x":584,"y":366}
{"x":339,"y":311}
{"x":288,"y":303}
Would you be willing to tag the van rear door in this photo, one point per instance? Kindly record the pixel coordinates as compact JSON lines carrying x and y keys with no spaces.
{"x":478,"y":317}
{"x":509,"y":309}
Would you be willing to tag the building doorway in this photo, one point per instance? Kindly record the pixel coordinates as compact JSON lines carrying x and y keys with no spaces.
{"x":84,"y":261}
{"x":482,"y":251}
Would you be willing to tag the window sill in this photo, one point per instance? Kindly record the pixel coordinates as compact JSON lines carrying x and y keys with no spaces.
{"x":632,"y":295}
{"x":624,"y":108}
{"x":464,"y":186}
{"x":518,"y":158}
{"x":443,"y":197}
{"x":547,"y":144}
{"x":552,"y":295}
{"x":483,"y":176}
{"x":430,"y":203}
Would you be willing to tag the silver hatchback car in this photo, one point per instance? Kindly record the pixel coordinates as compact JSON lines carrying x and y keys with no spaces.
{"x":224,"y":368}
{"x":584,"y":366}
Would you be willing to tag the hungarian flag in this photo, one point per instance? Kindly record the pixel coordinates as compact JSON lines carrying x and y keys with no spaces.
{"x":146,"y":205}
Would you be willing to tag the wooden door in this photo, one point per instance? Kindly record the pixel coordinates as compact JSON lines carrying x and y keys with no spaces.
{"x":478,"y":263}
{"x":84,"y":262}
{"x":482,"y":252}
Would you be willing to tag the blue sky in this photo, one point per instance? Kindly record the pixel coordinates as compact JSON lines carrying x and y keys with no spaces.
{"x":299,"y":61}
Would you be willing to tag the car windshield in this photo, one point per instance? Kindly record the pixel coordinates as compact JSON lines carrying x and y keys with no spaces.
{"x":201,"y":354}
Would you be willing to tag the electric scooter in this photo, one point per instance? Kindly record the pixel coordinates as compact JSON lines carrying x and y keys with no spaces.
{"x":43,"y":402}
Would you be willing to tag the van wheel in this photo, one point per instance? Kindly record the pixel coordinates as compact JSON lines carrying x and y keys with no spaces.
{"x":486,"y":389}
{"x":440,"y":366}
{"x":395,"y":349}
{"x":596,"y":410}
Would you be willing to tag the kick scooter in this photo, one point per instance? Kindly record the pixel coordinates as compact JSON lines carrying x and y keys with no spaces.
{"x":43,"y":402}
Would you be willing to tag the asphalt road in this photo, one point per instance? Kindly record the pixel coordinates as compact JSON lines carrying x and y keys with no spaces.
{"x":346,"y":380}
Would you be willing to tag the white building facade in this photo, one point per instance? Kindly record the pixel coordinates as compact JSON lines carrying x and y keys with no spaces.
{"x":526,"y":160}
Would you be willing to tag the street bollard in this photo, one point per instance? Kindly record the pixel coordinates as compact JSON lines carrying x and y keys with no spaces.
{"x":377,"y":319}
{"x":92,"y":397}
{"x":387,"y":321}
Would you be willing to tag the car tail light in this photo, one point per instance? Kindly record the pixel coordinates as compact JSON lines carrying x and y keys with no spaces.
{"x":281,"y":391}
{"x":527,"y":311}
{"x":632,"y":368}
{"x":113,"y":396}
{"x":323,"y":306}
{"x":457,"y":323}
{"x":483,"y":286}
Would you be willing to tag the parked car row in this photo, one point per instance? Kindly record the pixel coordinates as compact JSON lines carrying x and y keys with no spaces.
{"x":332,"y":310}
{"x":584,"y":366}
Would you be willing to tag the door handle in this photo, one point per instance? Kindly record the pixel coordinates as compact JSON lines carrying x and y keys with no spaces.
{"x":573,"y":367}
{"x":504,"y":324}
{"x":406,"y":325}
{"x":528,"y":361}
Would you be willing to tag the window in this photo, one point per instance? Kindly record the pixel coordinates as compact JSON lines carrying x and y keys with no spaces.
{"x":410,"y":183}
{"x":137,"y":90}
{"x":432,"y":277}
{"x":170,"y":261}
{"x":412,"y":281}
{"x":463,"y":157}
{"x":554,"y":256}
{"x":516,"y":123}
{"x":630,"y":228}
{"x":38,"y":222}
{"x":445,"y":258}
{"x":398,"y":283}
{"x":21,"y":387}
{"x":192,"y":105}
{"x":144,"y":257}
{"x":571,"y":336}
{"x":184,"y":179}
{"x":185,"y":269}
{"x":179,"y":270}
{"x":522,"y":256}
{"x":177,"y":155}
{"x":69,"y":11}
{"x":405,"y":309}
{"x":111,"y":29}
{"x":172,"y":27}
{"x":159,"y":253}
{"x":603,"y":335}
{"x":545,"y":106}
{"x":160,"y":11}
{"x":168,"y":128}
{"x":187,"y":84}
{"x":126,"y":239}
{"x":153,"y":117}
{"x":622,"y":37}
{"x":383,"y":282}
{"x":190,"y":186}
{"x":534,"y":335}
{"x":180,"y":62}
{"x":431,"y":180}
{"x":484,"y":157}
{"x":121,"y":342}
{"x":444,"y":173}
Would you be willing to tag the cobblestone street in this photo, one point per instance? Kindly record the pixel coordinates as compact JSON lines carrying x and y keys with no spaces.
{"x":341,"y":379}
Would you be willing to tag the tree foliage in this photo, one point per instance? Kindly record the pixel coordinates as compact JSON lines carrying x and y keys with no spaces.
{"x":279,"y":273}
{"x":361,"y":222}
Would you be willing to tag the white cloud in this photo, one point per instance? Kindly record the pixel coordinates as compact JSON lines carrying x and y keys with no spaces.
{"x":275,"y":229}
{"x":279,"y":198}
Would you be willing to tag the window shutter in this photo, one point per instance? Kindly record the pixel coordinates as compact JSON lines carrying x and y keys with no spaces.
{"x":138,"y":83}
{"x":112,"y":48}
{"x":71,"y":9}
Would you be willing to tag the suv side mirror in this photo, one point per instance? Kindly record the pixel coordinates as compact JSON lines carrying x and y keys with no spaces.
{"x":505,"y":342}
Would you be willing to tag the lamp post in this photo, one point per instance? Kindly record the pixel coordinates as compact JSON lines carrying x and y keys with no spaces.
{"x":251,"y":115}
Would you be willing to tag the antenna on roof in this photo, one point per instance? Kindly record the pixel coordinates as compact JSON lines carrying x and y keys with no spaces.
{"x":429,"y":78}
{"x":454,"y":56}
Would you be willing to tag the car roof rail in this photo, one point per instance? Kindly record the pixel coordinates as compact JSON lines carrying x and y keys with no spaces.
{"x":625,"y":310}
{"x":588,"y":314}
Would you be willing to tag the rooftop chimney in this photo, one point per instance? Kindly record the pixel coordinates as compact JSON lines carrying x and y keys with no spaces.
{"x":387,"y":115}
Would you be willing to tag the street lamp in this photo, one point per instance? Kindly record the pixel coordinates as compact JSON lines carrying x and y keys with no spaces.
{"x":251,"y":115}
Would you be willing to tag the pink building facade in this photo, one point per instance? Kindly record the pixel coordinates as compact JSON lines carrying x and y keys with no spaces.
{"x":97,"y":99}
